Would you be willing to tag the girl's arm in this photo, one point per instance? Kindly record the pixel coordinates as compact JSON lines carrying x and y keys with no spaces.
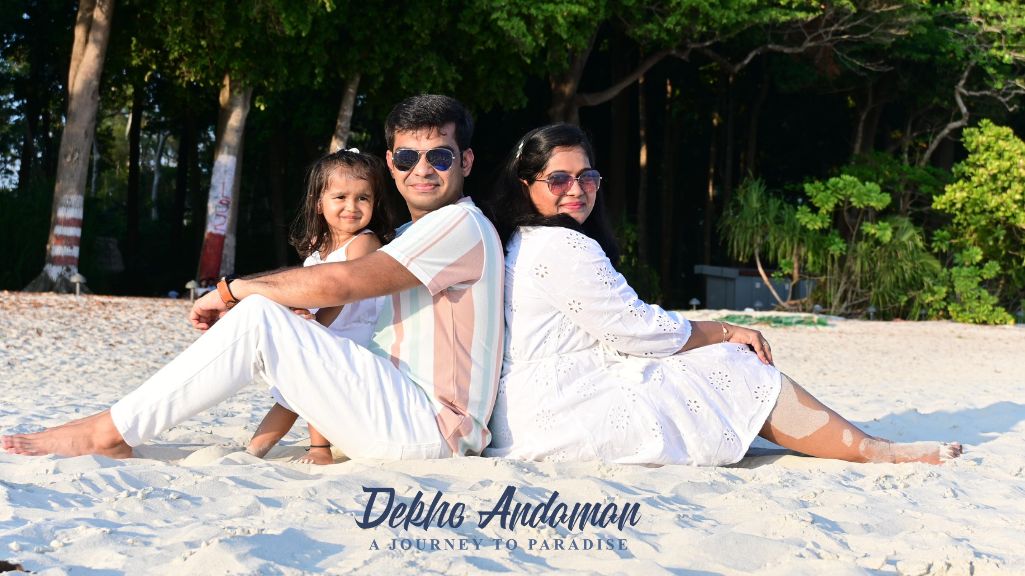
{"x":360,"y":246}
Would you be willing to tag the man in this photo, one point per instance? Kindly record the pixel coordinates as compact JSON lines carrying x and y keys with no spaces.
{"x":425,"y":386}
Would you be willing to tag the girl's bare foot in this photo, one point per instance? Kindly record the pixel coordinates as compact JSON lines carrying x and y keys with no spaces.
{"x":319,"y":455}
{"x":877,"y":450}
{"x":94,"y":434}
{"x":259,"y":449}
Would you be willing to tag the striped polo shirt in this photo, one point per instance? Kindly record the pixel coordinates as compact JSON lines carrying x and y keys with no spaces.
{"x":446,"y":334}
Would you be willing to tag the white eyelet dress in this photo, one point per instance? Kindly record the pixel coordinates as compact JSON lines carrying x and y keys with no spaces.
{"x":590,"y":372}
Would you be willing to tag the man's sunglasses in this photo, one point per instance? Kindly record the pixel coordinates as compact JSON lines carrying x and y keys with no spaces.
{"x":560,"y":183}
{"x":440,"y":158}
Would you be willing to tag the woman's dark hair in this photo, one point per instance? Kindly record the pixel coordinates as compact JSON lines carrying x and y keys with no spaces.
{"x":510,"y":206}
{"x":309,"y":232}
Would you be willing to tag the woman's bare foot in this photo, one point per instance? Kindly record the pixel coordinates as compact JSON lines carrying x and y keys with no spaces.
{"x":319,"y":455}
{"x":879,"y":450}
{"x":94,"y":434}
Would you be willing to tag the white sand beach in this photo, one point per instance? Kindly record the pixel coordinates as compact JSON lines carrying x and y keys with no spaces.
{"x":193,"y":502}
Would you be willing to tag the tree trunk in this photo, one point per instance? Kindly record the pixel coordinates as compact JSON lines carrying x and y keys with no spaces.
{"x":708,"y":217}
{"x":181,"y":189}
{"x":750,"y":165}
{"x":642,"y":177}
{"x":276,"y":167}
{"x":28,"y":141}
{"x":857,"y":147}
{"x":341,"y":134}
{"x":196,"y":197}
{"x":566,"y":101}
{"x":669,"y":232}
{"x":95,"y":169}
{"x":955,"y":124}
{"x":155,"y":188}
{"x":768,"y":283}
{"x":32,"y":94}
{"x":564,"y":107}
{"x":731,"y":140}
{"x":92,"y":33}
{"x":619,"y":146}
{"x":131,"y":246}
{"x":217,"y":257}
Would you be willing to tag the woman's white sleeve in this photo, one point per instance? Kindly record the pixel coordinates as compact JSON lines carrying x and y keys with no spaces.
{"x":580,"y":281}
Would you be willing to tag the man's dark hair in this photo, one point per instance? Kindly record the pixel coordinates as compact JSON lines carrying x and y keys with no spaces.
{"x":425,"y":111}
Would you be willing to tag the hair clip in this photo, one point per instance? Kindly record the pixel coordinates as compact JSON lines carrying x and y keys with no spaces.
{"x":519,"y":149}
{"x":353,"y":150}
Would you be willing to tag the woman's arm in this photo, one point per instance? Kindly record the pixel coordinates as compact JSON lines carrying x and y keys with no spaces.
{"x":575,"y":277}
{"x":578,"y":279}
{"x":705,"y":332}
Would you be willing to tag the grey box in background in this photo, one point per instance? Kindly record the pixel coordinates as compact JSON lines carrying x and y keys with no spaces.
{"x":740,"y":288}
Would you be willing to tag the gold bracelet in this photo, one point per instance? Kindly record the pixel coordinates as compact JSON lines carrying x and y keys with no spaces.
{"x":725,"y":333}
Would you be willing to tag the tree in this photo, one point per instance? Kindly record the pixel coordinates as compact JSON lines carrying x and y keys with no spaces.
{"x":757,"y":223}
{"x":92,"y":34}
{"x":991,"y":52}
{"x":986,"y":204}
{"x":863,"y":257}
{"x":233,"y":46}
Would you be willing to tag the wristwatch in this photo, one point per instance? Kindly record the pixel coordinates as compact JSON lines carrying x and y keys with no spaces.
{"x":224,"y":290}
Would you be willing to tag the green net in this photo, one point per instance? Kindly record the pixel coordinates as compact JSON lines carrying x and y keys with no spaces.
{"x":775,"y":320}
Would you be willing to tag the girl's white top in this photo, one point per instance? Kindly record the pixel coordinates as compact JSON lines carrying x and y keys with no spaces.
{"x":357,"y":319}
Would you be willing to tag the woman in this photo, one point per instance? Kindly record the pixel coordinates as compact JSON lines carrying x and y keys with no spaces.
{"x":590,"y":372}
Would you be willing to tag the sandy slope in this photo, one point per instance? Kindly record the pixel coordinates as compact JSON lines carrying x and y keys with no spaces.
{"x":193,"y":504}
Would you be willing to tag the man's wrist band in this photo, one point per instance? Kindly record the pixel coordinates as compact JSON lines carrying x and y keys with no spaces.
{"x":224,"y":291}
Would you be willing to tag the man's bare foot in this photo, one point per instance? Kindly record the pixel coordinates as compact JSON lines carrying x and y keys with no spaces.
{"x":94,"y":434}
{"x":879,"y":450}
{"x":320,"y":455}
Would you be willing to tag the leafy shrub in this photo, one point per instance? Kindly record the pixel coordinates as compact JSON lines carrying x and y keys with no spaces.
{"x":985,"y":239}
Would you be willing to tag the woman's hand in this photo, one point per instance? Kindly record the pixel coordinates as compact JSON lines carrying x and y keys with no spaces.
{"x":753,"y":338}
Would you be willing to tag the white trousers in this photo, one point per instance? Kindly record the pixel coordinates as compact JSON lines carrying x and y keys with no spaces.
{"x":359,"y":401}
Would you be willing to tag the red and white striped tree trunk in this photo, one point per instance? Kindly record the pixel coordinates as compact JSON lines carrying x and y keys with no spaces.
{"x":217,"y":257}
{"x":92,"y":33}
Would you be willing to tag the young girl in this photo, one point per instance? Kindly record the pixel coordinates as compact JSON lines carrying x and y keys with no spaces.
{"x":344,"y":216}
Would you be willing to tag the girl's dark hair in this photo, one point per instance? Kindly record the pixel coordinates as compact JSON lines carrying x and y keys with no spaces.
{"x":309,"y":232}
{"x":510,"y":206}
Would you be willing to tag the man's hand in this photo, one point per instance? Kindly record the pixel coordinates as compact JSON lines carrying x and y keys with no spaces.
{"x":207,"y":310}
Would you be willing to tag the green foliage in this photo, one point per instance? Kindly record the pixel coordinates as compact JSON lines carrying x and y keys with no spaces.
{"x":960,"y":294}
{"x":774,"y":320}
{"x":863,"y":259}
{"x":911,"y":188}
{"x":757,"y":224}
{"x":641,"y":277}
{"x":24,"y":225}
{"x":986,"y":234}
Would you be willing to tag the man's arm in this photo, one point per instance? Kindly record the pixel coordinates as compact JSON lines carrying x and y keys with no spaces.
{"x":331,"y":284}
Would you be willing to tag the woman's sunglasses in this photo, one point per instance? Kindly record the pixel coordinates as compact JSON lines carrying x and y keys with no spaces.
{"x":440,"y":158}
{"x":560,"y":183}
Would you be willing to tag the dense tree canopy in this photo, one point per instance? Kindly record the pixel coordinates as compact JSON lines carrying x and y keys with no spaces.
{"x":693,"y":106}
